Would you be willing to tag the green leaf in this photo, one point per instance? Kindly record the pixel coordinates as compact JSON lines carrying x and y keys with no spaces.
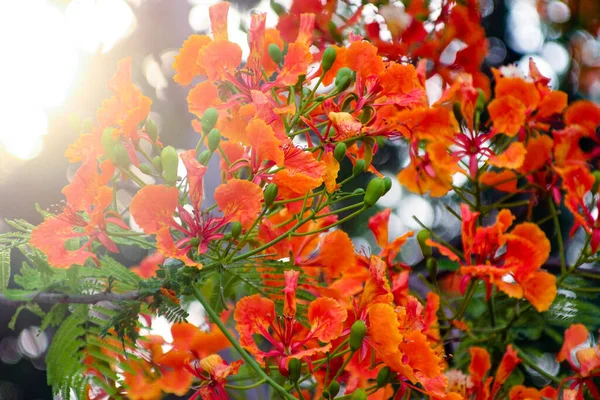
{"x":4,"y":268}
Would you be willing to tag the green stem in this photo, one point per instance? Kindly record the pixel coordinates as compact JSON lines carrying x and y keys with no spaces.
{"x":559,"y":239}
{"x":246,"y":387}
{"x":247,"y":358}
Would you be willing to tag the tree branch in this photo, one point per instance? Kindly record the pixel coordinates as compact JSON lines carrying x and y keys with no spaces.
{"x":56,"y":298}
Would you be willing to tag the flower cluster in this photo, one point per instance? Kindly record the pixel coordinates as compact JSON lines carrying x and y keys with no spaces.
{"x":295,"y":310}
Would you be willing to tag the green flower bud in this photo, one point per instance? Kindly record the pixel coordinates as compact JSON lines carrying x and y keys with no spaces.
{"x":108,"y":142}
{"x":340,"y":151}
{"x":236,"y":229}
{"x":334,"y":389}
{"x":275,"y":53}
{"x":278,"y":8}
{"x":152,"y":129}
{"x":359,"y":394}
{"x":387,"y":182}
{"x":214,"y":138}
{"x":375,"y":189}
{"x":329,"y":56}
{"x":204,"y":157}
{"x":343,"y":78}
{"x":157,"y":164}
{"x":270,"y":194}
{"x":358,"y":167}
{"x":596,"y":184}
{"x":170,"y":161}
{"x":358,"y":191}
{"x":480,"y":103}
{"x":195,"y":242}
{"x":383,"y":377}
{"x":358,"y":331}
{"x":121,"y":156}
{"x":209,"y":119}
{"x":295,"y":367}
{"x":145,"y":169}
{"x":422,"y":238}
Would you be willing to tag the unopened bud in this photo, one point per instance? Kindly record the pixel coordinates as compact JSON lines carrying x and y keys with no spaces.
{"x":383,"y":377}
{"x":329,"y":56}
{"x":387,"y":184}
{"x":343,"y":78}
{"x":375,"y":190}
{"x":204,"y":157}
{"x":270,"y":194}
{"x":236,"y":229}
{"x":295,"y":366}
{"x":358,"y":331}
{"x":170,"y":161}
{"x":275,"y":53}
{"x":358,"y":167}
{"x":214,"y":138}
{"x":108,"y":142}
{"x":359,"y":394}
{"x":340,"y":151}
{"x":334,"y":389}
{"x":145,"y":169}
{"x":157,"y":164}
{"x":121,"y":156}
{"x":209,"y":119}
{"x":152,"y":130}
{"x":422,"y":238}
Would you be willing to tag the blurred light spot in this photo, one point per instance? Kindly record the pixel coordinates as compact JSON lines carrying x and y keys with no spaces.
{"x":167,"y":58}
{"x":196,"y":314}
{"x":558,"y":12}
{"x":418,"y":207}
{"x":154,"y":75}
{"x":100,"y":24}
{"x":22,"y":131}
{"x":448,"y":56}
{"x":542,"y":65}
{"x":411,"y":252}
{"x":433,"y":86}
{"x":396,"y":227}
{"x":360,"y":243}
{"x":198,"y":17}
{"x":557,"y":56}
{"x":590,"y":52}
{"x":32,"y":342}
{"x":523,"y":27}
{"x":497,"y":51}
{"x":486,"y":7}
{"x":9,"y":350}
{"x":392,"y":197}
{"x":459,"y":179}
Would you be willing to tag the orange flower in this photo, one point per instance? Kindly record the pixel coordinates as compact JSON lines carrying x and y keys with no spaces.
{"x":213,"y":372}
{"x":240,"y":200}
{"x":85,"y":214}
{"x":256,"y":315}
{"x":527,"y":248}
{"x":378,"y":224}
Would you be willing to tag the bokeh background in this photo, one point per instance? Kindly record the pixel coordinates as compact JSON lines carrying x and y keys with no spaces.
{"x":56,"y":57}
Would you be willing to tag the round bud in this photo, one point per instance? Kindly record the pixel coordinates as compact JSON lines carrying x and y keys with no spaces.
{"x":295,"y":367}
{"x":387,"y":182}
{"x":170,"y":161}
{"x":236,"y":229}
{"x":383,"y":377}
{"x":359,"y":394}
{"x":214,"y":138}
{"x":358,"y":167}
{"x":157,"y":164}
{"x":422,"y":238}
{"x":195,"y":242}
{"x":152,"y":129}
{"x":209,"y":119}
{"x":334,"y":388}
{"x":343,"y":79}
{"x":145,"y":169}
{"x":432,"y":267}
{"x":340,"y":151}
{"x":329,"y":56}
{"x":375,"y":190}
{"x":275,"y":53}
{"x":596,"y":184}
{"x":358,"y":331}
{"x":108,"y":142}
{"x":270,"y":194}
{"x":121,"y":156}
{"x":278,"y":8}
{"x":204,"y":157}
{"x":358,"y":191}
